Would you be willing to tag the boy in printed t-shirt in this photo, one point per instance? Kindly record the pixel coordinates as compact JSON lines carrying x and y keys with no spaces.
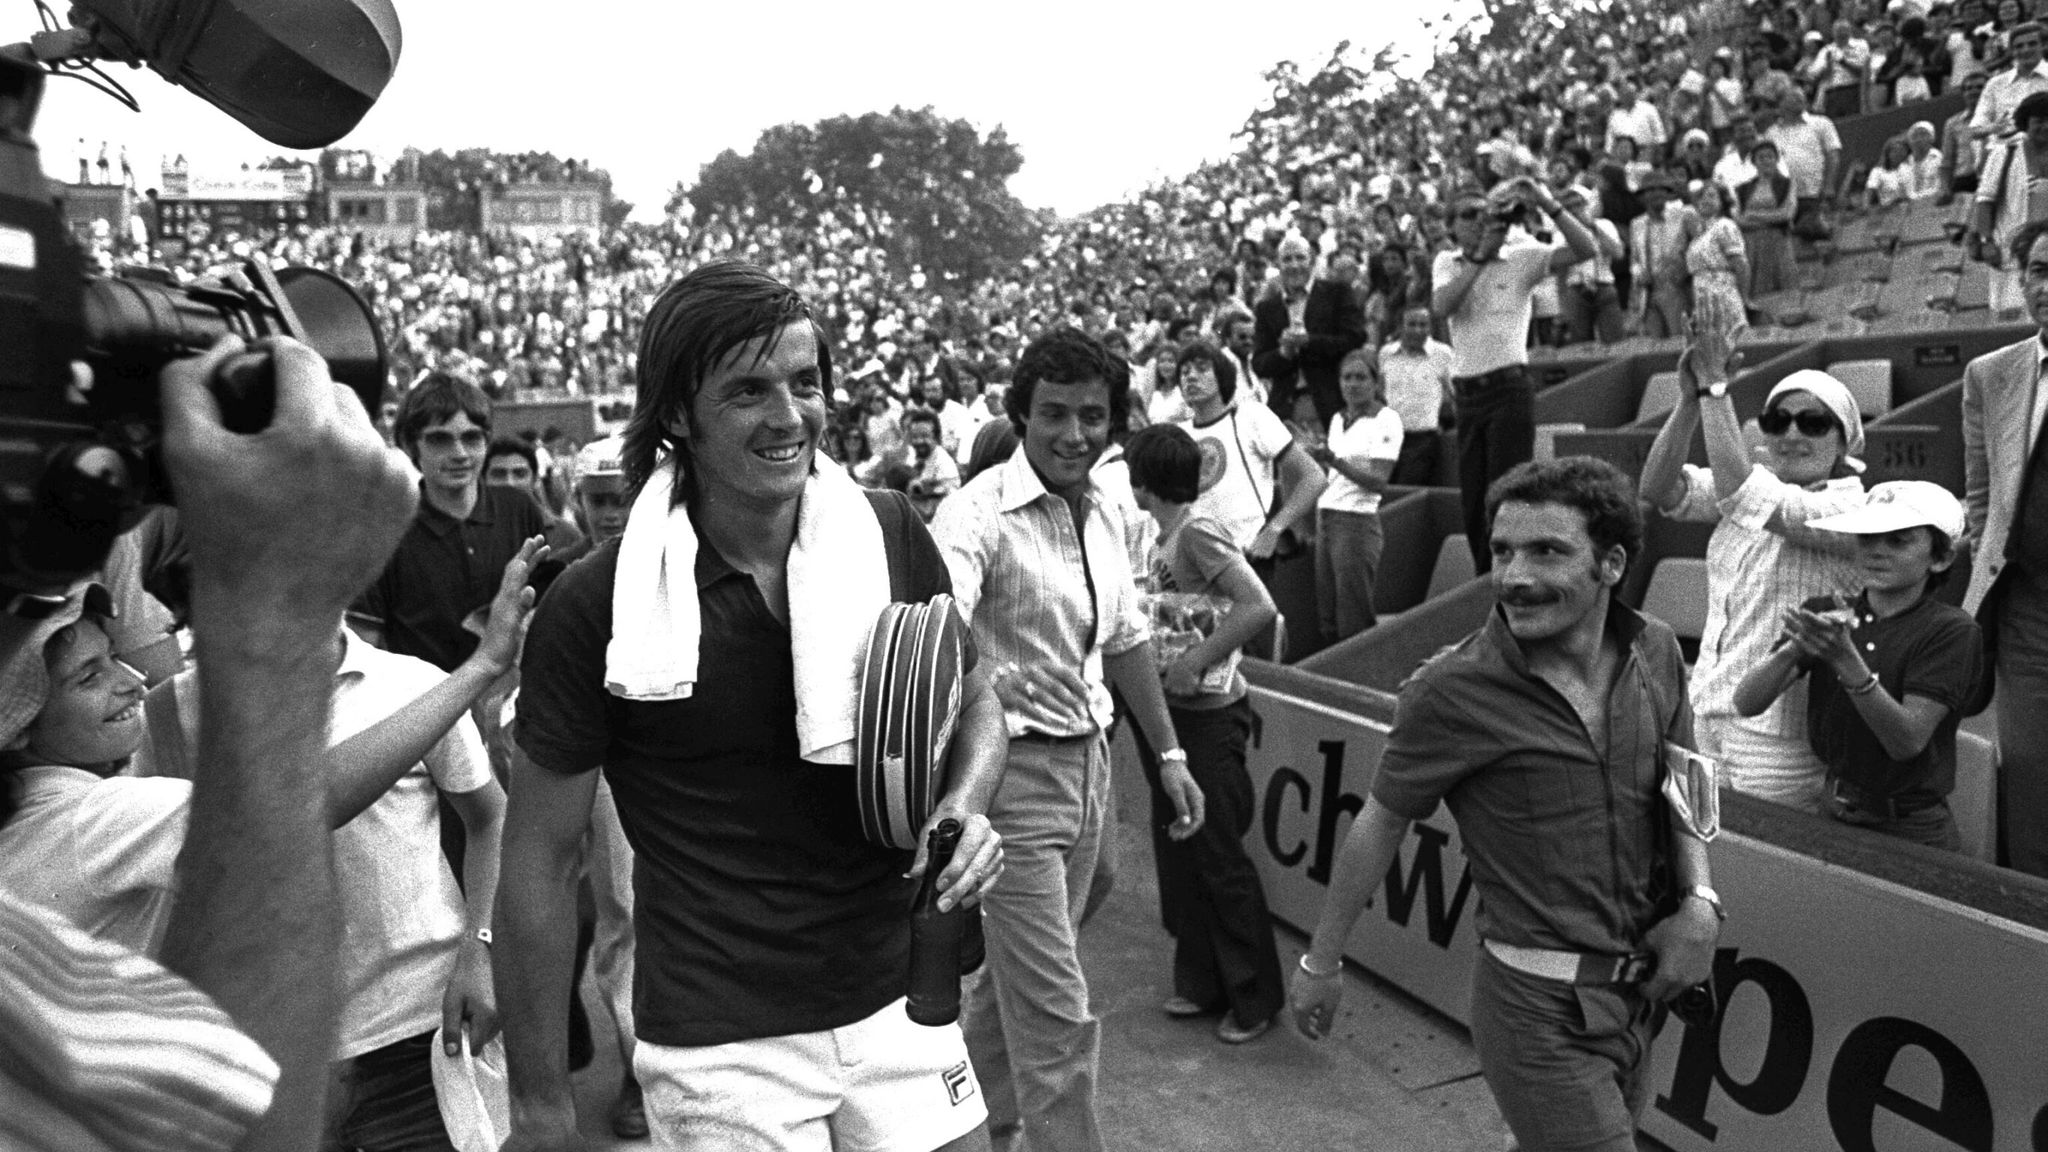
{"x":1892,"y":672}
{"x":1225,"y":961}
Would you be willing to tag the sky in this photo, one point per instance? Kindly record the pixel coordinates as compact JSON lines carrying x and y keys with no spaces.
{"x":1101,"y":97}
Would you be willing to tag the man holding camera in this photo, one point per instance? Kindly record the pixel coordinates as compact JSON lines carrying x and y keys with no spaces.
{"x":1484,"y":291}
{"x":1549,"y":733}
{"x":284,"y":526}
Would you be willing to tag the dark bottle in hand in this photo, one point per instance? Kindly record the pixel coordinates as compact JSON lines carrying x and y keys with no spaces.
{"x":935,"y":937}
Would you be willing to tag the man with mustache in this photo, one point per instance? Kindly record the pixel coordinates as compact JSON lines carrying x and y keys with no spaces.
{"x":1547,"y":732}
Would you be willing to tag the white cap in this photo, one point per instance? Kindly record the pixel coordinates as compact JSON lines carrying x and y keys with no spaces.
{"x":1900,"y":504}
{"x":606,"y":457}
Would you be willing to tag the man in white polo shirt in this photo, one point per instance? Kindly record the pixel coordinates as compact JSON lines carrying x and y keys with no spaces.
{"x":1483,"y":290}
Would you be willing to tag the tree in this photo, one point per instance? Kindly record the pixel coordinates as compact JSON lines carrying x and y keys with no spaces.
{"x":934,"y":192}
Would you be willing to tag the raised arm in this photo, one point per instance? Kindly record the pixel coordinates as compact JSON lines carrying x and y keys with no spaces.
{"x":366,"y":765}
{"x":285,"y":526}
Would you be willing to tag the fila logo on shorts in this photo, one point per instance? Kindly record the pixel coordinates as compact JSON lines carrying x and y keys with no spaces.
{"x":959,"y":1083}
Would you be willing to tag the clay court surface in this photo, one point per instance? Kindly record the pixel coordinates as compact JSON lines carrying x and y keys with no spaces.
{"x":1392,"y":1077}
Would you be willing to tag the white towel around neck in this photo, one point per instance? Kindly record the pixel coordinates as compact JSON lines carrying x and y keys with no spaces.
{"x":838,"y":584}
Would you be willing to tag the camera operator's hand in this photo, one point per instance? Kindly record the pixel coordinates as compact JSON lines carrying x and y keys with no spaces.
{"x":291,"y":522}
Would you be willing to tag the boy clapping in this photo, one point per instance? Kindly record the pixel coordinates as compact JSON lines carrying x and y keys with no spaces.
{"x":1891,"y":672}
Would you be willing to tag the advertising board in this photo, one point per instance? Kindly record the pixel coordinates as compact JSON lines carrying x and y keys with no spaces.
{"x":1859,"y":1014}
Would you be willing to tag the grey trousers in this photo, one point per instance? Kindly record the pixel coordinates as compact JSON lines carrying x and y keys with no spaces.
{"x":1033,"y":1036}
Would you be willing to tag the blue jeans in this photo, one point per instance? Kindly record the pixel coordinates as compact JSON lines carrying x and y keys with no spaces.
{"x":1348,"y":548}
{"x":1034,"y":1038}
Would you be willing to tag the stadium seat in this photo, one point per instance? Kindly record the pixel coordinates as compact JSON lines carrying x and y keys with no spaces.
{"x":1677,"y":595}
{"x":1942,"y":290}
{"x":1924,"y":225}
{"x":1856,"y":236}
{"x":1546,"y":438}
{"x":1869,"y":381}
{"x":1975,"y":799}
{"x":1863,"y":300}
{"x":1454,"y":567}
{"x":1907,"y":295}
{"x":1940,"y":258}
{"x":1660,"y":395}
{"x":1786,"y":309}
{"x":1864,"y":266}
{"x":1975,"y":289}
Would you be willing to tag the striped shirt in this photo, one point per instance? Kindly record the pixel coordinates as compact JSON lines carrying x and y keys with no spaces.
{"x":1762,"y":560}
{"x":102,"y":1049}
{"x":1035,"y":591}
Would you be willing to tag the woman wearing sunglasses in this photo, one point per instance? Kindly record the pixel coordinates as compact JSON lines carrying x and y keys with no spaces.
{"x":1762,"y":558}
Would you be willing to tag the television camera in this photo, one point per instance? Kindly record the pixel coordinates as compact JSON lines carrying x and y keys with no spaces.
{"x":80,"y":425}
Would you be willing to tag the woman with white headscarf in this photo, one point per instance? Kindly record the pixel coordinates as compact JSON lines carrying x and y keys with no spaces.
{"x":1762,"y":558}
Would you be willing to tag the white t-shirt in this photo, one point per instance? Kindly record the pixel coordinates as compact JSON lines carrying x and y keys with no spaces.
{"x":1376,"y":437}
{"x":1240,"y":467}
{"x":99,"y":853}
{"x":1490,"y":329}
{"x":401,"y":911}
{"x":1416,"y":385}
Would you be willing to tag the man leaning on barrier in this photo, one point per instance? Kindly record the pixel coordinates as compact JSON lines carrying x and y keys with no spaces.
{"x":1559,"y":736}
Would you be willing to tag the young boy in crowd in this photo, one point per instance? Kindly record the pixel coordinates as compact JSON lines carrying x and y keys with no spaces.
{"x":1224,"y":957}
{"x":1891,"y":672}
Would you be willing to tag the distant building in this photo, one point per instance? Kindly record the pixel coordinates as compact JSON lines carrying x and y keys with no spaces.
{"x":381,"y":212}
{"x":539,"y":211}
{"x":86,"y":206}
{"x":195,"y":208}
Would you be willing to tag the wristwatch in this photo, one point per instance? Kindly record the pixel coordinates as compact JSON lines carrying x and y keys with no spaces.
{"x":1174,"y":756}
{"x":1712,"y":898}
{"x":1718,"y":389}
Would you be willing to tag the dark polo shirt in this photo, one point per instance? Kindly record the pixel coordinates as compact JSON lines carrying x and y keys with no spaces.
{"x":760,"y":910}
{"x":445,"y":569}
{"x":1566,"y":835}
{"x":1931,"y":649}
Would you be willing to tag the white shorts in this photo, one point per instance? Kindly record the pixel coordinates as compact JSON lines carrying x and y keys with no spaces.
{"x":883,"y":1084}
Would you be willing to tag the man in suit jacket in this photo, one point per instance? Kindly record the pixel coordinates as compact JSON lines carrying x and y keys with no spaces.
{"x":2006,"y":497}
{"x":1301,"y":333}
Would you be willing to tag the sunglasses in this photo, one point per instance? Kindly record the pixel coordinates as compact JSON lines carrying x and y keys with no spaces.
{"x":446,"y":440}
{"x":1468,"y":214}
{"x":1811,"y":423}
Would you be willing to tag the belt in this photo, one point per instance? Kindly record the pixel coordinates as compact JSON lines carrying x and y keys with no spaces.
{"x":1049,"y":739}
{"x":1575,"y":967}
{"x":1512,"y":374}
{"x":1892,"y":807}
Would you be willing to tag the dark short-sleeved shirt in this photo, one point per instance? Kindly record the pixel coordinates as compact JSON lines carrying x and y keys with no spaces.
{"x":1567,"y":838}
{"x":759,"y":909}
{"x":445,"y":569}
{"x":1931,"y":649}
